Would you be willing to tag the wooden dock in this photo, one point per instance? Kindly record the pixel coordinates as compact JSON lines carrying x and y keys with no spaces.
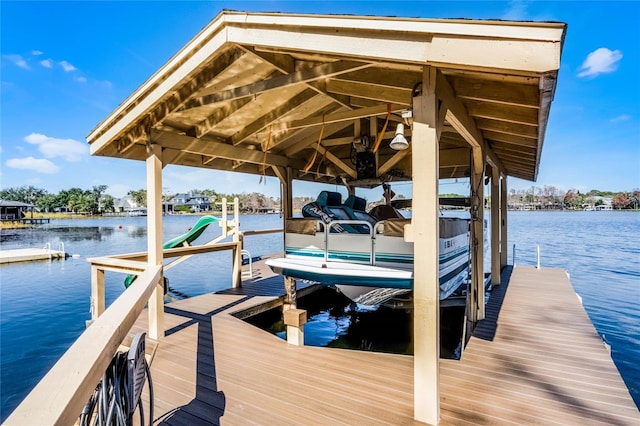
{"x":536,"y":359}
{"x":30,"y":254}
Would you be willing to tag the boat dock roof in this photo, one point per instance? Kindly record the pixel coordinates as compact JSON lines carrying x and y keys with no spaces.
{"x":536,"y":358}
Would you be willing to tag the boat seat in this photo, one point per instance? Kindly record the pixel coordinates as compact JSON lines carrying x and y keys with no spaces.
{"x":384,"y":212}
{"x":329,"y":198}
{"x":355,"y":203}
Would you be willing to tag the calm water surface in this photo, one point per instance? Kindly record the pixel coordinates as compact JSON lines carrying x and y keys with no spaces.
{"x":43,"y":305}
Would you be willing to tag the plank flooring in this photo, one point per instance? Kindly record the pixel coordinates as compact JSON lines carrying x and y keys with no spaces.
{"x":535,"y":359}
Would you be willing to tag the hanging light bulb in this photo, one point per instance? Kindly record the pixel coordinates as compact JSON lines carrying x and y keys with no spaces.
{"x":399,"y":142}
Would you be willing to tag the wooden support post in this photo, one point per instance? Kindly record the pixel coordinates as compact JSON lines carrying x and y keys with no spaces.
{"x":504,"y":250}
{"x":288,"y":212}
{"x":225,"y":219}
{"x":424,"y":232}
{"x":291,"y":294}
{"x":97,"y":292}
{"x":495,"y":226}
{"x":154,"y":237}
{"x":477,"y":239}
{"x":237,"y":253}
{"x":236,"y":274}
{"x":295,"y":319}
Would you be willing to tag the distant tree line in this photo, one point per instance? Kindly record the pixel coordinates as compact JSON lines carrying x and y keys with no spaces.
{"x":87,"y":201}
{"x":549,"y":197}
{"x":95,"y":200}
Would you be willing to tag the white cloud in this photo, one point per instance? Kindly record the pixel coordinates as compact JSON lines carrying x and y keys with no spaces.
{"x":36,"y":52}
{"x":623,"y":117}
{"x":69,"y":149}
{"x":47,"y":63}
{"x":517,"y":11}
{"x":81,"y":79}
{"x":600,"y":61}
{"x":18,"y":61}
{"x":41,"y":165}
{"x":67,"y":66}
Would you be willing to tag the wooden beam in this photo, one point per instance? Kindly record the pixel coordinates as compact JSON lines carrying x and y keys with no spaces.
{"x":335,"y":160}
{"x":504,"y":243}
{"x":515,"y":151}
{"x":424,"y":234}
{"x":222,"y":150}
{"x":498,"y":92}
{"x":458,"y":157}
{"x":302,"y":76}
{"x":154,"y":238}
{"x":525,"y":130}
{"x":368,"y":91}
{"x":286,"y":64}
{"x":395,"y":159}
{"x":477,"y":242}
{"x":495,"y":226}
{"x":221,"y":113}
{"x":511,"y":114}
{"x":511,"y":139}
{"x":338,"y":117}
{"x":457,"y":116}
{"x":268,"y":118}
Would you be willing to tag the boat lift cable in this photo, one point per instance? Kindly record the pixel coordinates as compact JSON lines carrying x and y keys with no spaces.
{"x":119,"y":393}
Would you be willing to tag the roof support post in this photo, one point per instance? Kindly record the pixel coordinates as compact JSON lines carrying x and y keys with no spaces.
{"x":285,"y":175}
{"x":154,"y":237}
{"x":495,"y":226}
{"x":503,"y":222}
{"x":425,"y":236}
{"x":477,"y":238}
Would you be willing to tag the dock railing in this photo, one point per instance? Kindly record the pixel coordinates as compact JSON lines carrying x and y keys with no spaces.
{"x":61,"y":395}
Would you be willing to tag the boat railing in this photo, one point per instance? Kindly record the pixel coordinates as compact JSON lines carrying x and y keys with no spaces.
{"x":349,"y":241}
{"x":356,"y":241}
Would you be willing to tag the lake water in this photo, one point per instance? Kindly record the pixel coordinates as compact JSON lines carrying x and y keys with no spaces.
{"x":44,"y":305}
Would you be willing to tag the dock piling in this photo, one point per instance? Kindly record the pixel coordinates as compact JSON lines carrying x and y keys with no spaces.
{"x":295,"y":319}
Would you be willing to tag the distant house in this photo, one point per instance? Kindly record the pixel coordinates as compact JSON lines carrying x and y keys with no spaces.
{"x":194,"y":201}
{"x":125,"y":204}
{"x":15,"y":210}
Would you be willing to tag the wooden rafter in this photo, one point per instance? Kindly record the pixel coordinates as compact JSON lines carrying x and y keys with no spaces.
{"x":220,"y":149}
{"x":271,"y":115}
{"x":302,"y":76}
{"x":286,"y":64}
{"x":497,"y":92}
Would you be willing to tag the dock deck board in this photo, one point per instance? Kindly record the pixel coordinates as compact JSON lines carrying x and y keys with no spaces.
{"x":535,"y":359}
{"x":29,"y":254}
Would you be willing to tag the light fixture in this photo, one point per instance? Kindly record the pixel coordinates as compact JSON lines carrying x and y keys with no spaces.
{"x":399,"y":142}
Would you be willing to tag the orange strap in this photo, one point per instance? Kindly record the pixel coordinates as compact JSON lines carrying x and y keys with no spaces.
{"x":315,"y":154}
{"x":384,"y":129}
{"x":264,"y":158}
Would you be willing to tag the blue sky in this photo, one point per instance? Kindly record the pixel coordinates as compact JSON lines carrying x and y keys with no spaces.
{"x":66,"y":65}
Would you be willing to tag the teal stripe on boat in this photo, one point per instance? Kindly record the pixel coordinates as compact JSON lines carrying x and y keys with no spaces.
{"x":349,"y":256}
{"x":394,"y":258}
{"x":305,"y":252}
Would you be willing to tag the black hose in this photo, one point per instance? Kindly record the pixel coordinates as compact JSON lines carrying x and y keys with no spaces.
{"x":110,"y":403}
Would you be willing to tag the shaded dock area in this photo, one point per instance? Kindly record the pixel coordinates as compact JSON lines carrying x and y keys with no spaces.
{"x":535,"y":359}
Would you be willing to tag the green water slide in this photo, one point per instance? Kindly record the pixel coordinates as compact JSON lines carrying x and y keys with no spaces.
{"x":181,"y":240}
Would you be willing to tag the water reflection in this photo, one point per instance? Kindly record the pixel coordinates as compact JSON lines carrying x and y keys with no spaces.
{"x":334,"y":321}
